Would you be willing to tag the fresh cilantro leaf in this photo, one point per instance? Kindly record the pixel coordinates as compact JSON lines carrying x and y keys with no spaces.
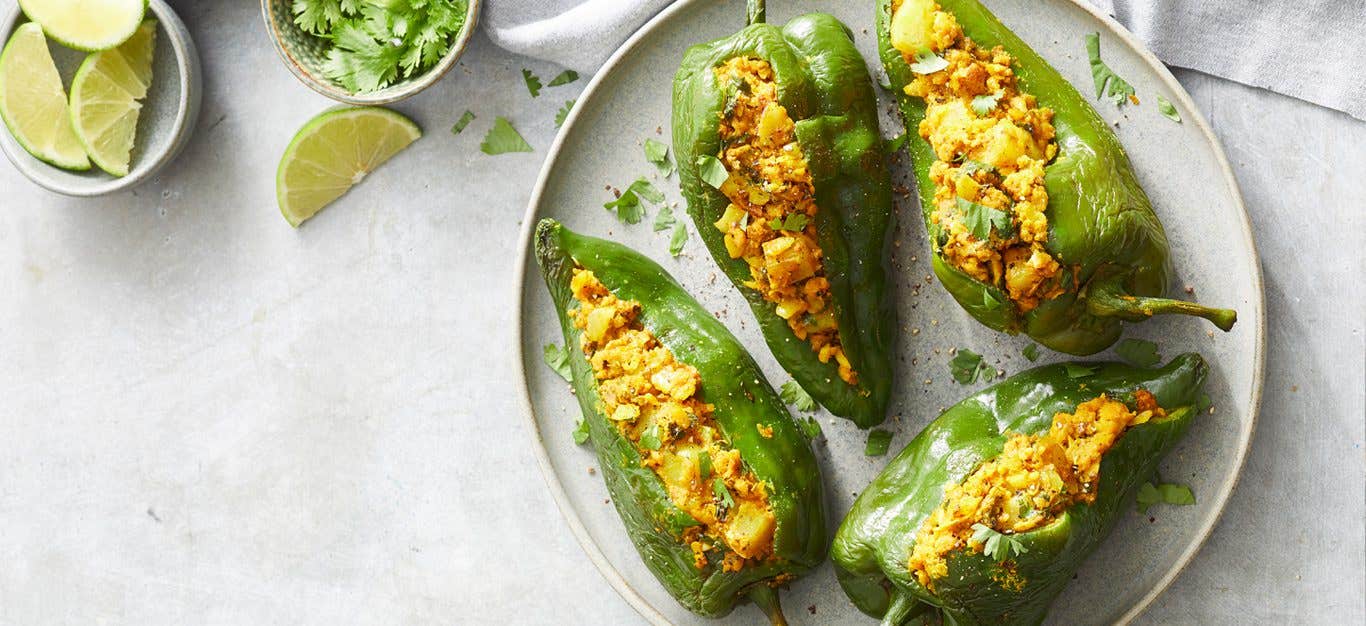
{"x":461,"y":123}
{"x":1108,"y":83}
{"x":627,"y":207}
{"x":1078,"y":370}
{"x":369,"y":45}
{"x":981,"y":220}
{"x":972,"y":167}
{"x":646,"y":190}
{"x":704,"y":464}
{"x":810,"y":427}
{"x":564,"y":78}
{"x":1203,"y":402}
{"x":558,"y":359}
{"x":563,"y":113}
{"x":793,"y":394}
{"x":533,"y":82}
{"x":724,"y":502}
{"x":878,"y":442}
{"x":996,"y":545}
{"x":503,"y":138}
{"x":895,"y":144}
{"x":657,"y":152}
{"x":678,"y":240}
{"x":792,"y":222}
{"x":581,"y":431}
{"x":712,"y":170}
{"x":989,"y":300}
{"x":650,"y":438}
{"x":927,"y":62}
{"x":968,"y":367}
{"x":664,"y":220}
{"x":1163,"y":493}
{"x":1031,"y":352}
{"x":1166,"y":108}
{"x":1139,"y":352}
{"x":984,"y":104}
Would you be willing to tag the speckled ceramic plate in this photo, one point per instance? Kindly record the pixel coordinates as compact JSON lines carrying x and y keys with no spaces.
{"x":1182,"y":167}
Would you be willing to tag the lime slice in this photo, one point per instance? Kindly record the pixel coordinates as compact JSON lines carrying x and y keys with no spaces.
{"x":106,"y":99}
{"x":33,"y":103}
{"x":90,"y":25}
{"x":333,"y":152}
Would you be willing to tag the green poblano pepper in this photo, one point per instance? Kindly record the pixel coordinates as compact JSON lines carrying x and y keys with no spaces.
{"x":743,"y":402}
{"x":1101,"y":225}
{"x":873,"y":545}
{"x":823,"y":83}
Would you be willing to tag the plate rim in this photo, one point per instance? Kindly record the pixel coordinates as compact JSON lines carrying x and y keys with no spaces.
{"x":562,"y":501}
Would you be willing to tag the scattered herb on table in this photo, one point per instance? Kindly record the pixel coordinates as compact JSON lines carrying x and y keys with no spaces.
{"x":1166,"y":108}
{"x":878,"y":442}
{"x":372,"y":45}
{"x":664,"y":220}
{"x":679,"y":239}
{"x":558,"y":359}
{"x":968,"y":367}
{"x":564,"y":78}
{"x":581,"y":431}
{"x":1031,"y":352}
{"x":461,"y":123}
{"x":1075,"y":370}
{"x":1108,"y":83}
{"x":657,"y":153}
{"x":1139,"y":352}
{"x":533,"y":82}
{"x":1163,"y":493}
{"x":627,"y":206}
{"x":895,"y":144}
{"x":503,"y":138}
{"x":810,"y":426}
{"x":793,"y":394}
{"x":563,"y":113}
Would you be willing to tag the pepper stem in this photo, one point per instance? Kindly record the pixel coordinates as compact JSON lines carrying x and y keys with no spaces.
{"x":1107,"y":298}
{"x":766,"y":598}
{"x":904,"y":606}
{"x":756,"y":13}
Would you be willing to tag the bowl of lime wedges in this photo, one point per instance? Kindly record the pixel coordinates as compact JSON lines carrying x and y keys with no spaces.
{"x":98,"y":96}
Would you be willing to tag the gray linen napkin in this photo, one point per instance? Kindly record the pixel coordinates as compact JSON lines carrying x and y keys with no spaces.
{"x":1308,"y":49}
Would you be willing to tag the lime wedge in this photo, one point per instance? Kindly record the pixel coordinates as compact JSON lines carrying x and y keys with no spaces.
{"x":89,"y":25}
{"x":33,"y":103}
{"x":333,"y":152}
{"x":106,"y":99}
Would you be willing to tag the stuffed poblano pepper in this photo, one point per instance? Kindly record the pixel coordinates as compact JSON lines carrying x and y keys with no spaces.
{"x":1035,"y":216}
{"x":717,"y":486}
{"x":776,"y":134}
{"x":991,"y":509}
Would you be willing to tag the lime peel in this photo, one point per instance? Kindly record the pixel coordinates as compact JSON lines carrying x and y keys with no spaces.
{"x":33,"y":103}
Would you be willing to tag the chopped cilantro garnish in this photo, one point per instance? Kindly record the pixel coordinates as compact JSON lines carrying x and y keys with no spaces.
{"x":793,"y":394}
{"x":646,"y":190}
{"x":564,"y":78}
{"x":679,"y":239}
{"x":878,"y":442}
{"x":704,"y":464}
{"x":989,"y":300}
{"x":503,"y":138}
{"x":968,"y":367}
{"x":1203,"y":402}
{"x":724,"y":502}
{"x":1108,"y":83}
{"x":1163,"y":493}
{"x":972,"y":166}
{"x":657,"y":153}
{"x":1031,"y":352}
{"x":793,"y":222}
{"x":664,"y":220}
{"x":1166,"y":108}
{"x":558,"y":359}
{"x":995,"y":544}
{"x":1078,"y":370}
{"x":563,"y":113}
{"x":533,"y":82}
{"x":650,"y":438}
{"x":627,"y":205}
{"x":810,"y":427}
{"x":712,"y":170}
{"x":1139,"y":352}
{"x":581,"y":431}
{"x":985,"y":103}
{"x":370,"y":45}
{"x":927,"y":62}
{"x":981,"y":220}
{"x":895,"y":144}
{"x":461,"y":123}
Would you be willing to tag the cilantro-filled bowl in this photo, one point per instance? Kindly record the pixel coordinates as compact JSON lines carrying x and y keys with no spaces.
{"x":370,"y":51}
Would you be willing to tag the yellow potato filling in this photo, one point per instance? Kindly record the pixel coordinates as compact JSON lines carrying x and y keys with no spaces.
{"x":770,"y":222}
{"x":991,"y":143}
{"x":1032,"y":481}
{"x":653,"y":399}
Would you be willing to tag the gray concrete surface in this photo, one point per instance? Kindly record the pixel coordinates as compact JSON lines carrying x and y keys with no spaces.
{"x":211,"y":418}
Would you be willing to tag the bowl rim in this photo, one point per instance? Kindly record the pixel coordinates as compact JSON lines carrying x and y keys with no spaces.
{"x":187,"y":112}
{"x":389,"y":94}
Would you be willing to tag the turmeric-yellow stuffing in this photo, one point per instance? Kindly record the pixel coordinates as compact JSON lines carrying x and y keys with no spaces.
{"x":770,"y":222}
{"x":1032,"y":481}
{"x":991,"y":143}
{"x":654,"y":400}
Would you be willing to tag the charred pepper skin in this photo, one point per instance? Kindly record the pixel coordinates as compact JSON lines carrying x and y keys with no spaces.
{"x":1101,"y":225}
{"x":873,"y":545}
{"x":824,"y":85}
{"x":743,"y":401}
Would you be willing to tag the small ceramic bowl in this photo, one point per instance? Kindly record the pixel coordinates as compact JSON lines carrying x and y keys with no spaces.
{"x":304,"y":54}
{"x":167,"y":119}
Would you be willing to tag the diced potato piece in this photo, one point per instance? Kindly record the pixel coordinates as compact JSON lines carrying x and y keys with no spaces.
{"x":773,"y":119}
{"x":678,"y":472}
{"x":789,"y":259}
{"x":730,"y":218}
{"x":599,"y":322}
{"x":749,"y":530}
{"x":967,"y":187}
{"x":1007,"y":143}
{"x":913,"y":26}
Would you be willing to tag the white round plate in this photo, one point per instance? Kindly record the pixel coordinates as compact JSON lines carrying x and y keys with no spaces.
{"x":1180,"y":165}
